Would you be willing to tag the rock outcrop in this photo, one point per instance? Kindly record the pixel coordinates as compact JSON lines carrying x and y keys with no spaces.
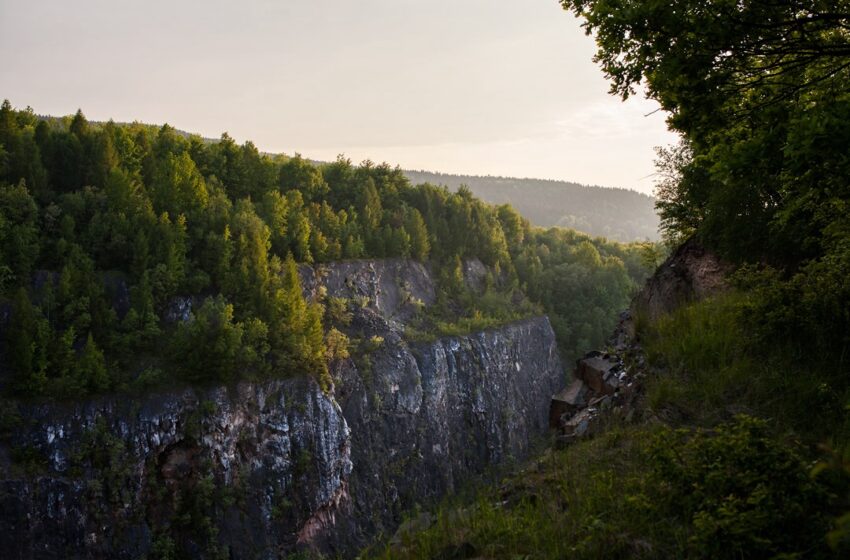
{"x":611,"y":381}
{"x":691,"y":273}
{"x":438,"y":412}
{"x":113,"y":473}
{"x":261,"y":469}
{"x":603,"y":383}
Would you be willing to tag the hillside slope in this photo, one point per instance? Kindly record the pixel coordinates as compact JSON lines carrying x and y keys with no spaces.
{"x":618,"y":214}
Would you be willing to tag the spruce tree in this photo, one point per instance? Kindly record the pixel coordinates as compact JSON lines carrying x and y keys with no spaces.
{"x":26,"y":349}
{"x":420,"y":246}
{"x":91,"y":367}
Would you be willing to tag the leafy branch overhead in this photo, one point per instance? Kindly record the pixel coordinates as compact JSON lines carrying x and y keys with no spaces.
{"x":760,"y":92}
{"x":696,"y":56}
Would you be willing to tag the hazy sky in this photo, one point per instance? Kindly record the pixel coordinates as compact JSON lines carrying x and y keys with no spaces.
{"x":502,"y":87}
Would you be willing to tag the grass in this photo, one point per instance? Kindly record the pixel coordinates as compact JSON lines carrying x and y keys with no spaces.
{"x":642,"y":492}
{"x":562,"y":506}
{"x":722,"y":468}
{"x":710,"y":369}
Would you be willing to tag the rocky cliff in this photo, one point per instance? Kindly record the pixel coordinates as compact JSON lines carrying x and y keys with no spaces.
{"x":260,"y":469}
{"x":610,"y":381}
{"x":691,"y":273}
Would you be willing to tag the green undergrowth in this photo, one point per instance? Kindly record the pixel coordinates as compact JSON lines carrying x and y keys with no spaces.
{"x":644,"y":492}
{"x":713,"y":367}
{"x":460,"y":310}
{"x":742,"y":453}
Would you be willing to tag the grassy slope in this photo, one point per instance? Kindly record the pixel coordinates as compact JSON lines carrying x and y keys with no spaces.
{"x":726,"y":463}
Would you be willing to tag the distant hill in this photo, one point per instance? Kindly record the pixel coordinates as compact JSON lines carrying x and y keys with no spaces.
{"x":618,"y":214}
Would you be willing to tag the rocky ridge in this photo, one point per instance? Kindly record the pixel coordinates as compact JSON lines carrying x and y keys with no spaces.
{"x":258,"y":470}
{"x":691,"y":273}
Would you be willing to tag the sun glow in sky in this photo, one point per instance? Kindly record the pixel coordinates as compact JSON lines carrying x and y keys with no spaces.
{"x":499,"y":87}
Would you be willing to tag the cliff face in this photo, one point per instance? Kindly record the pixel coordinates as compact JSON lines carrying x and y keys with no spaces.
{"x":116,"y":470}
{"x":435,"y":413}
{"x":691,"y":273}
{"x":261,"y":469}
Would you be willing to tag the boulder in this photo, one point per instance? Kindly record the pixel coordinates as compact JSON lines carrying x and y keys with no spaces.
{"x":598,"y":371}
{"x":568,"y":401}
{"x":581,"y":424}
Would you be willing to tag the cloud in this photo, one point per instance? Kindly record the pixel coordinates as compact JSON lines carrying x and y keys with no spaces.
{"x":612,"y":118}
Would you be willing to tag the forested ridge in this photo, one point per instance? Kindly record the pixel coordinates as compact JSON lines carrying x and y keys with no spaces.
{"x":618,"y":214}
{"x":89,"y":211}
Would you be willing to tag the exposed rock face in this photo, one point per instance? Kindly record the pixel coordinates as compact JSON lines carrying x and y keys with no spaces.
{"x":116,"y":469}
{"x":692,"y":272}
{"x":393,"y":288}
{"x":262,"y":469}
{"x":439,"y":411}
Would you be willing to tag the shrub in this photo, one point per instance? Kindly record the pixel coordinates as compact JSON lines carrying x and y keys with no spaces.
{"x":337,"y":311}
{"x":743,"y":492}
{"x":337,"y":345}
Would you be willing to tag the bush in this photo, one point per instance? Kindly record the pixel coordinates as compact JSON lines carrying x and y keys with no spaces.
{"x":337,"y":344}
{"x":743,"y":492}
{"x":736,"y":491}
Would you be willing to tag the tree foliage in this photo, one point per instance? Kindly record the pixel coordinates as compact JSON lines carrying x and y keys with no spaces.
{"x":759,"y":91}
{"x":132,"y":248}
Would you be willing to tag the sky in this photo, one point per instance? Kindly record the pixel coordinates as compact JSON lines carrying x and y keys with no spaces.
{"x":485,"y":87}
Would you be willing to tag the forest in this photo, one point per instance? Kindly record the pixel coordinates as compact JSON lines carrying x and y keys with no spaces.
{"x":105,"y":229}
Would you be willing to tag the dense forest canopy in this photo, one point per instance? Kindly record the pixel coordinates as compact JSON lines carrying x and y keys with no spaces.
{"x":90,"y":211}
{"x":617,"y":214}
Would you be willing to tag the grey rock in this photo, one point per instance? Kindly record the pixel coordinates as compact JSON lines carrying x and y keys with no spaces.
{"x":568,"y":401}
{"x":393,"y":288}
{"x":475,"y":275}
{"x":597,"y":371}
{"x":179,"y":310}
{"x":302,"y":468}
{"x":249,"y":439}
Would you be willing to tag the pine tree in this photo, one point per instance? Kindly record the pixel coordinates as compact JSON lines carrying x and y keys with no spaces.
{"x":26,"y":345}
{"x":371,"y":210}
{"x":314,"y":344}
{"x":63,"y":363}
{"x":79,"y":125}
{"x":91,"y":367}
{"x":19,"y":243}
{"x":300,"y":174}
{"x":419,"y":244}
{"x":288,"y":315}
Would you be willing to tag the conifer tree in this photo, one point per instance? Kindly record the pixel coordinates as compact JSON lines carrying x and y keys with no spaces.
{"x":91,"y":367}
{"x":420,"y":246}
{"x":27,"y":346}
{"x":79,"y":125}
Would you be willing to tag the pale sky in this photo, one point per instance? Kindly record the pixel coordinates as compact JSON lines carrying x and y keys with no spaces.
{"x":499,"y":87}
